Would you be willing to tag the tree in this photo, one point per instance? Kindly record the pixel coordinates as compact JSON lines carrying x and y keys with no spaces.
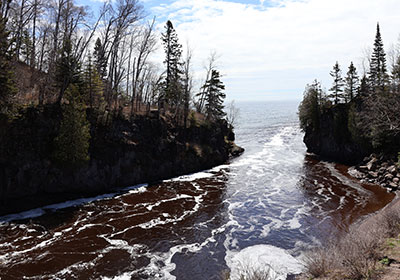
{"x":378,"y":77}
{"x":214,"y":98}
{"x":140,"y":68}
{"x":7,"y":86}
{"x":68,"y":69}
{"x":396,"y":75}
{"x":310,"y":107}
{"x":233,"y":113}
{"x":93,"y":85}
{"x":210,"y":65}
{"x":100,"y":59}
{"x":173,"y":52}
{"x":352,"y":82}
{"x":337,"y":86}
{"x":364,"y":89}
{"x":187,"y":84}
{"x":71,"y":146}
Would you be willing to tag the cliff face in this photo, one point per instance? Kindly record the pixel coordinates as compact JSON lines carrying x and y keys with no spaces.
{"x":122,"y":153}
{"x":332,"y":140}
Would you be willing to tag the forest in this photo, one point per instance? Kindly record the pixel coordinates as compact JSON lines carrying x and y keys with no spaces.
{"x":366,"y":107}
{"x":57,"y":53}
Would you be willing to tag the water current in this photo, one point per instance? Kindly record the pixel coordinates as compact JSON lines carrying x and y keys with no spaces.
{"x":260,"y":211}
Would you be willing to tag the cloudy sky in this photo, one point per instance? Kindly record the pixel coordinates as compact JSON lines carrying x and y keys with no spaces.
{"x":270,"y":49}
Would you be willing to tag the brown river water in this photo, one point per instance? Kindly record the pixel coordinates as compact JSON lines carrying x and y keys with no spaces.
{"x":263,"y":209}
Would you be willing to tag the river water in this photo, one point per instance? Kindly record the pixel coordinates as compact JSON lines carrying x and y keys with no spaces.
{"x":260,"y":211}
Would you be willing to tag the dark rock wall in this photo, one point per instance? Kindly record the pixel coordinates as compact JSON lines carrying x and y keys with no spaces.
{"x":332,"y":140}
{"x":123,"y":153}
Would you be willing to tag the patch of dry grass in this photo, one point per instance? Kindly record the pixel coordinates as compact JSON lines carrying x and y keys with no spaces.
{"x":356,"y":254}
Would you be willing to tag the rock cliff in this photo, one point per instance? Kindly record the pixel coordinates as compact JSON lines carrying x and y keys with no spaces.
{"x":122,"y":153}
{"x":332,"y":140}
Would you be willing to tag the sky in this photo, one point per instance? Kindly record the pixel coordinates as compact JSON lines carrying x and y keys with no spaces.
{"x":270,"y":49}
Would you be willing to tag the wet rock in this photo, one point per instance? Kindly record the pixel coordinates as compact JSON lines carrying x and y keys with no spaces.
{"x":392,"y":169}
{"x":388,"y":176}
{"x":373,"y":174}
{"x":396,"y":180}
{"x":356,"y":173}
{"x":385,"y":164}
{"x":236,"y":150}
{"x":371,"y":165}
{"x":381,"y":170}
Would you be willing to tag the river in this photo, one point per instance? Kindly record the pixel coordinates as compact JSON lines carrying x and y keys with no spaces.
{"x":262,"y":210}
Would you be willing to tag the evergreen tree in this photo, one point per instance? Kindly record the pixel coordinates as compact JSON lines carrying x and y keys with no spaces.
{"x":310,"y":107}
{"x":396,"y":75}
{"x":100,"y":59}
{"x":173,"y":52}
{"x":71,"y":146}
{"x":214,"y":97}
{"x":337,"y":86}
{"x":68,"y":69}
{"x":7,"y":85}
{"x":352,"y":82}
{"x":93,"y":86}
{"x":378,"y":77}
{"x":364,"y":89}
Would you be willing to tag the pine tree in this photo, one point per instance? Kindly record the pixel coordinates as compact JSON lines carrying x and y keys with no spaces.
{"x":100,"y":59}
{"x":396,"y":76}
{"x":378,"y":77}
{"x":93,"y":86}
{"x":337,"y":86}
{"x":310,"y":107}
{"x":7,"y":85}
{"x":214,"y":97}
{"x":173,"y":51}
{"x":68,"y":69}
{"x":364,"y":88}
{"x":352,"y":82}
{"x":71,"y":146}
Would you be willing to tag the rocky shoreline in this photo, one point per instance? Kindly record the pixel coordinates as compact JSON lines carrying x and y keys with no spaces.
{"x":378,"y":170}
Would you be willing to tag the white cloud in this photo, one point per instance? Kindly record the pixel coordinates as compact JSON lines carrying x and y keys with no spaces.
{"x":276,"y":50}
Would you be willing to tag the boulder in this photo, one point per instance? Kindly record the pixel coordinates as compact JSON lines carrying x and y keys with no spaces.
{"x":381,"y":170}
{"x":392,"y":169}
{"x":356,"y":173}
{"x":371,"y":165}
{"x":388,"y":176}
{"x":373,"y":174}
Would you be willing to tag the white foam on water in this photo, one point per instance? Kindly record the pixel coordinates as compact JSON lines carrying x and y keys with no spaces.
{"x":23,"y":215}
{"x":346,"y":181}
{"x":198,"y":175}
{"x":260,"y":257}
{"x":37,"y":212}
{"x":125,"y":276}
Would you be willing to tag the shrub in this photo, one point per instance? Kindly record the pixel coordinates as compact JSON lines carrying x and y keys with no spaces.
{"x":353,"y":256}
{"x":319,"y":261}
{"x":390,"y":223}
{"x":249,"y":273}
